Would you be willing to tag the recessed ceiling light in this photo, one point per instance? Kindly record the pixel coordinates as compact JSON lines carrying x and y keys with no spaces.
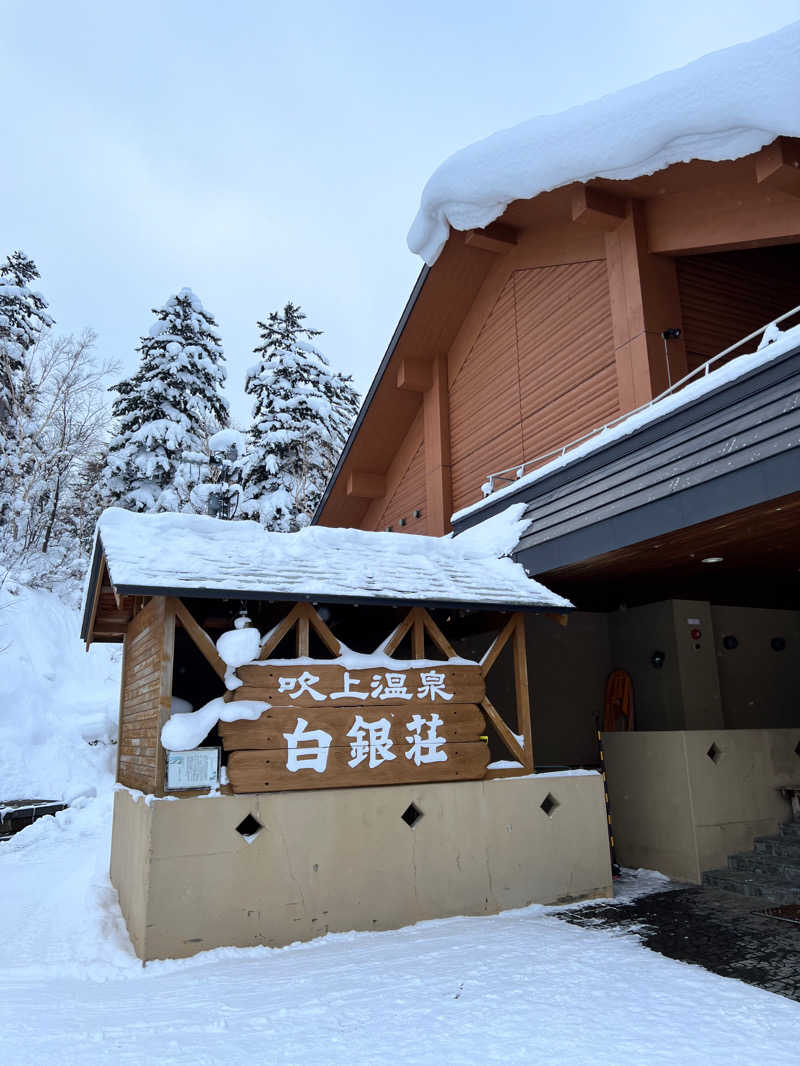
{"x":712,"y":559}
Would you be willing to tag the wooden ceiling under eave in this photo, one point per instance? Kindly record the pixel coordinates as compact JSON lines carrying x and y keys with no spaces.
{"x":443,"y":301}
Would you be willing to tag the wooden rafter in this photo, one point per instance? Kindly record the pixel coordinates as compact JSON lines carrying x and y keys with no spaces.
{"x":305,"y":618}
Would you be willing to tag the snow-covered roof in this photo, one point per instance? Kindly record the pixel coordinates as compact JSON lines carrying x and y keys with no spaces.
{"x":182,"y":554}
{"x":775,"y":344}
{"x":722,"y":106}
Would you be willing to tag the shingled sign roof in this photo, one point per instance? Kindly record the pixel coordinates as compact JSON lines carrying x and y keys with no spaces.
{"x":192,"y":555}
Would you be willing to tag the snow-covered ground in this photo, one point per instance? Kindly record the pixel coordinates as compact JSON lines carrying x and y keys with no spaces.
{"x":518,"y":987}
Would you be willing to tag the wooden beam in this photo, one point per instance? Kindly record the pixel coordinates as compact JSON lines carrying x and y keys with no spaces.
{"x":414,"y":375}
{"x":392,"y":642}
{"x":497,"y":645}
{"x":366,"y":486}
{"x":418,"y":639}
{"x":320,"y":628}
{"x":302,"y":635}
{"x":98,"y":587}
{"x":436,"y":430}
{"x":593,"y":207}
{"x":201,"y":640}
{"x":778,"y":165}
{"x":503,"y":730}
{"x":436,"y":635}
{"x":644,"y":298}
{"x":279,"y":632}
{"x":497,"y":237}
{"x":521,"y":691}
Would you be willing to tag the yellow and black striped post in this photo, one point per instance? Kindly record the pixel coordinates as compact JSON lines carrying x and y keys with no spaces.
{"x":615,"y":867}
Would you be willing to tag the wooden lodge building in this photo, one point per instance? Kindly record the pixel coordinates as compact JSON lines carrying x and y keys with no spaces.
{"x":595,"y":385}
{"x":596,"y":352}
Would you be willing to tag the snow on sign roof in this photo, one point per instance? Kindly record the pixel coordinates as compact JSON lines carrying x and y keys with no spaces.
{"x":722,"y":106}
{"x":180,"y":553}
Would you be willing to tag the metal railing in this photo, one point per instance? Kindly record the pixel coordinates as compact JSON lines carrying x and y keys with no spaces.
{"x":514,"y":473}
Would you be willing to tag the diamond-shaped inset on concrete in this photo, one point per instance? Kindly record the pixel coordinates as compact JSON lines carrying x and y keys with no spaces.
{"x":714,"y":753}
{"x":249,"y":828}
{"x":411,"y":815}
{"x":797,"y":749}
{"x":549,"y":804}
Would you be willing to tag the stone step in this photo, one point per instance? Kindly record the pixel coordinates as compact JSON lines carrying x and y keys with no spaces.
{"x":775,"y":867}
{"x":778,"y":845}
{"x":790,"y":829}
{"x":745,"y":883}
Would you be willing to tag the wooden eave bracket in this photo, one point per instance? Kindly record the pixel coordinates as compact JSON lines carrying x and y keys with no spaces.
{"x":593,"y":207}
{"x":778,"y":166}
{"x":414,"y":375}
{"x":365,"y":486}
{"x":497,"y":237}
{"x":201,"y":640}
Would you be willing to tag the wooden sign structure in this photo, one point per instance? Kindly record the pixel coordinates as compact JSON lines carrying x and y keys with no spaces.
{"x":333,"y":726}
{"x":366,"y":725}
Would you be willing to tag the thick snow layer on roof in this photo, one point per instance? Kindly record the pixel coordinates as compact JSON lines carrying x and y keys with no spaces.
{"x":777,"y":343}
{"x":722,"y":106}
{"x":180,"y":551}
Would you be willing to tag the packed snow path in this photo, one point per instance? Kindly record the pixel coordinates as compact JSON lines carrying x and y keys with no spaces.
{"x":518,"y":987}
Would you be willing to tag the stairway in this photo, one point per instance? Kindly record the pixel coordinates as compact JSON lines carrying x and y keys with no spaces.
{"x":770,"y":870}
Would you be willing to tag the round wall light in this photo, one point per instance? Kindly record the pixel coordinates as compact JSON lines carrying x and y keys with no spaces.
{"x":778,"y":643}
{"x":730,"y":642}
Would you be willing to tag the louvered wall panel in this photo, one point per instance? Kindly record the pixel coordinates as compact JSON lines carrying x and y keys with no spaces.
{"x":541,"y":373}
{"x":408,"y":496}
{"x":485,"y":424}
{"x":728,"y":295}
{"x":568,"y":381}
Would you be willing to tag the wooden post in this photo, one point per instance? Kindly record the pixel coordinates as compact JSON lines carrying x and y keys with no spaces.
{"x":644,"y":302}
{"x":167,"y":612}
{"x":436,"y":421}
{"x":522,"y":693}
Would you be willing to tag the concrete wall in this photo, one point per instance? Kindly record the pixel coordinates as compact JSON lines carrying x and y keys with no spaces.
{"x":677,"y":810}
{"x":344,"y":859}
{"x":759,"y":687}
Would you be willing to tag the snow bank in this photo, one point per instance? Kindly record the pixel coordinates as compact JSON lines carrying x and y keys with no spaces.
{"x":723,"y":106}
{"x":182,"y":551}
{"x":58,"y":705}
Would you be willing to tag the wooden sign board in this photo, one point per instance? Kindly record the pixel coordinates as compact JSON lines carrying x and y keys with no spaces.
{"x":337,"y":747}
{"x":323,"y":684}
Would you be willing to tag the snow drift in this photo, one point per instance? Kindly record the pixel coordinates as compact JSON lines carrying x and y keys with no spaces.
{"x":723,"y":106}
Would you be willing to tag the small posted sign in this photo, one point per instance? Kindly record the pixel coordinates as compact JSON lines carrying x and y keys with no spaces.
{"x":193,"y":769}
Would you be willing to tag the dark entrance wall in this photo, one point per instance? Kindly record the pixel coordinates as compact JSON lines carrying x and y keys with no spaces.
{"x":760,"y":686}
{"x":725,"y":296}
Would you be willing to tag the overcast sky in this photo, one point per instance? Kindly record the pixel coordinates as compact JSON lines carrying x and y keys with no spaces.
{"x":259,"y":152}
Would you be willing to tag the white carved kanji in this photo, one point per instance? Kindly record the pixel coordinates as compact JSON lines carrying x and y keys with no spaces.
{"x":296,"y":686}
{"x":432,"y":685}
{"x":389,"y":686}
{"x":370,"y":740}
{"x":349,"y":688}
{"x":307,"y":749}
{"x":425,"y":741}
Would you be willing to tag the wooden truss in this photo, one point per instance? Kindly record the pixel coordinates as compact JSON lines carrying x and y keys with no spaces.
{"x":303,"y":617}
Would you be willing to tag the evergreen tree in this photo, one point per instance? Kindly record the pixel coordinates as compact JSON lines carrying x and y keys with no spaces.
{"x":302,"y":413}
{"x":167,"y":408}
{"x":23,"y":317}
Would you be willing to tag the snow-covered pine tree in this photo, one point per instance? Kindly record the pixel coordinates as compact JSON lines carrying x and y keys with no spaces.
{"x":167,"y":408}
{"x":302,"y":413}
{"x":23,"y":317}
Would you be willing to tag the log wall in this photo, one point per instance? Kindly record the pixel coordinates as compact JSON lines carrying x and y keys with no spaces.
{"x":145,"y":696}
